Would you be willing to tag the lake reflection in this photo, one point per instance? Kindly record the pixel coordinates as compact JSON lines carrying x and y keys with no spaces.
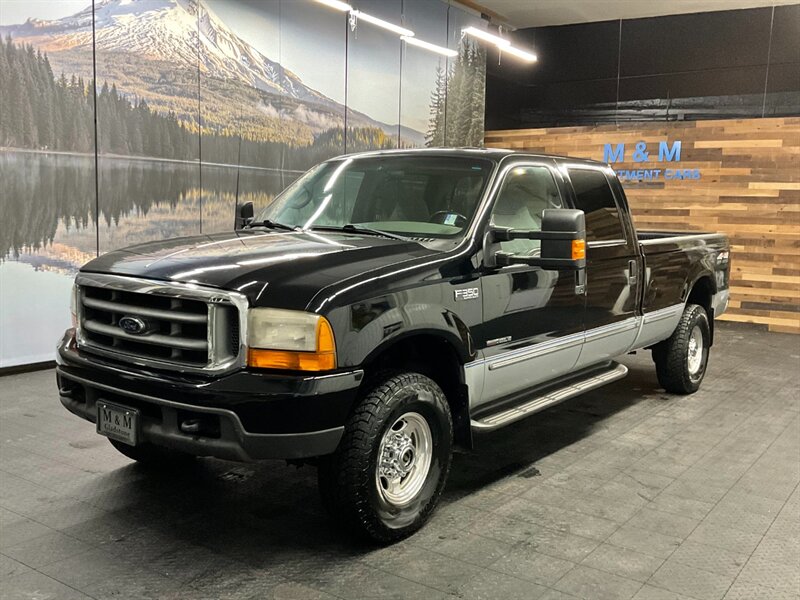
{"x":48,"y":210}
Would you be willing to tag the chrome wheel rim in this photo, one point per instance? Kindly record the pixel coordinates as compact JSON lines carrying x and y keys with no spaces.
{"x":695,"y":355}
{"x":404,"y":459}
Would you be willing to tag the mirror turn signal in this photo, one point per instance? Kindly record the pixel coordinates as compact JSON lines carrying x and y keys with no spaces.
{"x":578,"y":249}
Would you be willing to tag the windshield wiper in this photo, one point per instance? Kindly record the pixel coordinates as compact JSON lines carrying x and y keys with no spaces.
{"x":350,"y":228}
{"x":271,"y":225}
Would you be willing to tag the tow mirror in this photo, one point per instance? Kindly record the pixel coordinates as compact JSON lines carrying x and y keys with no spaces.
{"x":563,"y":238}
{"x":244,"y":214}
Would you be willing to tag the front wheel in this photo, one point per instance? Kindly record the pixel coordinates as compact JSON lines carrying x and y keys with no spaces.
{"x":385,"y":479}
{"x":682,"y":358}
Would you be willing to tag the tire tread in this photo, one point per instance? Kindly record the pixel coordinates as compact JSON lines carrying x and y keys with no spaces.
{"x":670,"y":355}
{"x":345,"y":475}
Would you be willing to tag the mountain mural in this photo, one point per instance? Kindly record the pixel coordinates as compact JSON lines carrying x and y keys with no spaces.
{"x":159,"y":51}
{"x":194,"y":115}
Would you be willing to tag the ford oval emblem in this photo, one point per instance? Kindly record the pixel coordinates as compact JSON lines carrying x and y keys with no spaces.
{"x":134,"y":325}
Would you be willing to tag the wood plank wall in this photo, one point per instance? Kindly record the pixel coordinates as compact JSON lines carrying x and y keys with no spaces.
{"x":749,"y":188}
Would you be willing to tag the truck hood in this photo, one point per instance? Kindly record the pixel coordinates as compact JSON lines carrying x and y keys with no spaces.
{"x":278,"y":269}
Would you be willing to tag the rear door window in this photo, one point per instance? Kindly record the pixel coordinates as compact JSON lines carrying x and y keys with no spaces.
{"x":594,"y":197}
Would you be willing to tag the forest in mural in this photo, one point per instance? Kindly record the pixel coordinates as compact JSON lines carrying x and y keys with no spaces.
{"x":195,"y":101}
{"x":457,"y":101}
{"x":42,"y":112}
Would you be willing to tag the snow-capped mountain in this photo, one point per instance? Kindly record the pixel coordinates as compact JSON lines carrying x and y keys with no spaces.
{"x":166,"y":32}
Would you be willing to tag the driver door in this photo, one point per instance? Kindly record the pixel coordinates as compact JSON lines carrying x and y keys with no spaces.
{"x":533,"y":318}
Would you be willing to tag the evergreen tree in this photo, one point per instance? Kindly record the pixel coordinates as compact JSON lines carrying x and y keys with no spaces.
{"x":435,"y":134}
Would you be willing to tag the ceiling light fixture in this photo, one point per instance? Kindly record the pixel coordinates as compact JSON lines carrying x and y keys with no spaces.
{"x":503,"y":44}
{"x":522,"y":54}
{"x":428,"y":46}
{"x":343,"y":6}
{"x":486,"y":36}
{"x":381,"y":23}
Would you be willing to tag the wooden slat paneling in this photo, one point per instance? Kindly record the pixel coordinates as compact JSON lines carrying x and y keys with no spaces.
{"x":749,"y":189}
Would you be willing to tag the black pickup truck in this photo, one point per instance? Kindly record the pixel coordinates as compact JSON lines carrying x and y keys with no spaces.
{"x":378,"y":313}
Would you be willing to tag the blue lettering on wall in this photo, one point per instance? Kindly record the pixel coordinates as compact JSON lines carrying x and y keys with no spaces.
{"x":641,"y":154}
{"x":671,"y":153}
{"x":615,"y":154}
{"x":665,"y":153}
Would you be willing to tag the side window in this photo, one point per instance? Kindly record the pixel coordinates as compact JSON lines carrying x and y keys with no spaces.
{"x":594,"y":197}
{"x":526,"y":192}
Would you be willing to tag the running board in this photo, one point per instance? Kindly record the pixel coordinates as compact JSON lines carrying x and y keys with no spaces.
{"x":542,"y":401}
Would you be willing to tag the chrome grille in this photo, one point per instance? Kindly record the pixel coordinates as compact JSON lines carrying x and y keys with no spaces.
{"x":170,"y":325}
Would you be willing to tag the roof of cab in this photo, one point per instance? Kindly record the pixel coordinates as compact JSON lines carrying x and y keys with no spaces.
{"x":496,"y":154}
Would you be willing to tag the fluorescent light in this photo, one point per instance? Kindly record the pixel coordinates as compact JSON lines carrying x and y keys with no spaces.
{"x":343,"y":6}
{"x":428,"y":46}
{"x":526,"y":56}
{"x":486,"y":36}
{"x":381,"y":23}
{"x":503,"y":44}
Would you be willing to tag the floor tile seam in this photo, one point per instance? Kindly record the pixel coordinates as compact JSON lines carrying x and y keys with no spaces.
{"x":582,"y":495}
{"x":778,"y":512}
{"x":89,"y":548}
{"x":461,"y":559}
{"x":55,"y":459}
{"x":82,"y":592}
{"x":662,"y":491}
{"x":52,"y":530}
{"x":544,"y":551}
{"x":60,"y":493}
{"x":640,"y":583}
{"x":627,"y":550}
{"x":715,"y":505}
{"x":714,"y":446}
{"x":430,"y":587}
{"x":579,"y":458}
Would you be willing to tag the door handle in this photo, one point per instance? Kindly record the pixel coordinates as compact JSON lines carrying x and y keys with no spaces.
{"x":633,"y":272}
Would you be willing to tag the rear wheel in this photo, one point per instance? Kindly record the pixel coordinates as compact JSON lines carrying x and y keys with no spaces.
{"x":385,"y":479}
{"x":682,"y":358}
{"x":152,"y":456}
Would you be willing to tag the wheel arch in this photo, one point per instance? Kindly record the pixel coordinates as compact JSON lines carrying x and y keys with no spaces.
{"x":439,"y":355}
{"x":702,"y":292}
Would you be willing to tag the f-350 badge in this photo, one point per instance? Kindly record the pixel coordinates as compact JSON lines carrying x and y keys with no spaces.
{"x":467,"y":294}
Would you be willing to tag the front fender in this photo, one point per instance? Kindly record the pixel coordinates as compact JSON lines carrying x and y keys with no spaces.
{"x":365,"y":329}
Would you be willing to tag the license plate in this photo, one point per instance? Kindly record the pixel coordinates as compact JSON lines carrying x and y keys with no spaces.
{"x":118,"y":422}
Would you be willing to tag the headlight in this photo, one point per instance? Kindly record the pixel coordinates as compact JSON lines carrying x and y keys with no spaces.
{"x":289,"y":339}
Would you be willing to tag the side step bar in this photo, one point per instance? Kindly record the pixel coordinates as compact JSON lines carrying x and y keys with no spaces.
{"x":542,"y":401}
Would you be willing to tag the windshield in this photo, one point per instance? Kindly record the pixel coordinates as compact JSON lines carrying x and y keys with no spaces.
{"x":413,"y":196}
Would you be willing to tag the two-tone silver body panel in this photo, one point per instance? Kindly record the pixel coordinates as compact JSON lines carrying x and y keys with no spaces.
{"x":505,"y":374}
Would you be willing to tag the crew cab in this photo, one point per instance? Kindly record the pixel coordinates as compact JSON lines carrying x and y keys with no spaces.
{"x":381,"y":311}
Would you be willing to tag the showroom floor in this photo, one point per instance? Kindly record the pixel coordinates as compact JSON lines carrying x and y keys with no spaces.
{"x":624,"y":493}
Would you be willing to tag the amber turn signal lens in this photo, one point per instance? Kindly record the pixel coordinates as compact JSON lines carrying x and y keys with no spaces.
{"x":578,"y":249}
{"x":325,"y":343}
{"x":290,"y":360}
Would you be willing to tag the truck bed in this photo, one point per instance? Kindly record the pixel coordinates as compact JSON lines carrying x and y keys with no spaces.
{"x":673,"y":260}
{"x":649,"y":238}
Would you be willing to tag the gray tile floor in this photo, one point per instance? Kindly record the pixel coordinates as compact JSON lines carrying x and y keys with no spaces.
{"x":624,"y":493}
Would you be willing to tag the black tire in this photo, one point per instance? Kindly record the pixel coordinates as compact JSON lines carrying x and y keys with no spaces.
{"x":679,"y":369}
{"x":152,"y":456}
{"x":353,"y":489}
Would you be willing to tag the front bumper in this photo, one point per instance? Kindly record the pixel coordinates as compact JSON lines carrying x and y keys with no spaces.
{"x":248,"y":415}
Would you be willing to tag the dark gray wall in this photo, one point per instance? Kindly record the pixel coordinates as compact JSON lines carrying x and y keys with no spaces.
{"x":726,"y":64}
